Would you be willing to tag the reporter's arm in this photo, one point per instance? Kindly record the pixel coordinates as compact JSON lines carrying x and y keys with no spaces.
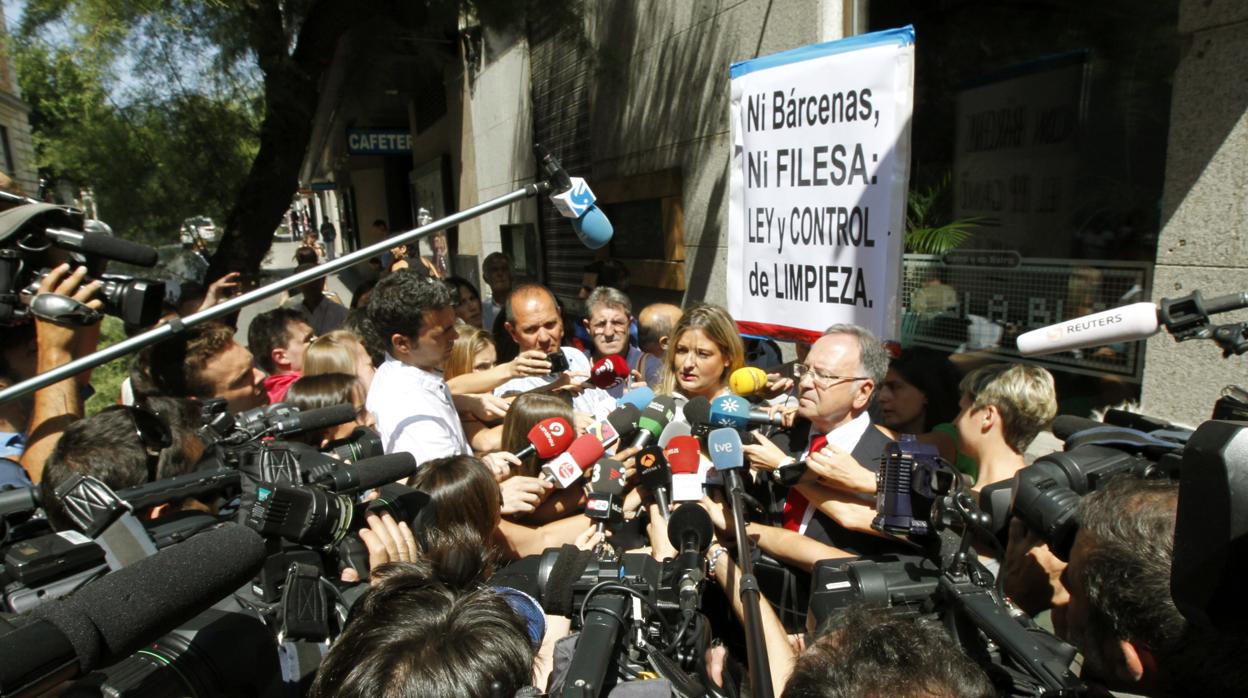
{"x":791,"y":547}
{"x":528,"y":363}
{"x":524,"y":540}
{"x":56,"y":406}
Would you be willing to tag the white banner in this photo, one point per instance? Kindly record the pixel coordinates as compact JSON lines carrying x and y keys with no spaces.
{"x":821,"y":162}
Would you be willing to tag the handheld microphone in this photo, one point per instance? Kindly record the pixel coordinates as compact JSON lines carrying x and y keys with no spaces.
{"x":698,"y":414}
{"x":652,"y":420}
{"x":548,"y":438}
{"x":637,"y":397}
{"x":748,"y":381}
{"x":618,"y":426}
{"x":672,"y":430}
{"x":368,"y":473}
{"x":567,"y":467}
{"x":656,"y":475}
{"x":689,"y":530}
{"x":314,"y":420}
{"x":112,"y":617}
{"x":684,"y":458}
{"x":103,"y":245}
{"x":574,"y":199}
{"x":608,"y":371}
{"x":734,"y":411}
{"x":605,"y":502}
{"x":727,"y":455}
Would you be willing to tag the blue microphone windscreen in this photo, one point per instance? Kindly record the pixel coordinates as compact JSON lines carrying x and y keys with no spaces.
{"x":637,"y":397}
{"x":593,"y":228}
{"x":724,"y":446}
{"x":730,"y":411}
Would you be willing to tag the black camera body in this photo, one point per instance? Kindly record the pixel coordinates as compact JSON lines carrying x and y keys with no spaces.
{"x":558,"y":362}
{"x":34,"y":238}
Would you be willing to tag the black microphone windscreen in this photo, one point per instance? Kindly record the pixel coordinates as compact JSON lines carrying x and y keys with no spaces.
{"x":624,"y":419}
{"x":314,"y":420}
{"x":118,"y":249}
{"x":698,"y":411}
{"x":608,"y":477}
{"x":1067,"y":425}
{"x":690,"y":522}
{"x":111,"y":618}
{"x":382,"y":470}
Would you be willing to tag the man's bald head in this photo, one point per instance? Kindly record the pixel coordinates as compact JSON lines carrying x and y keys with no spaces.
{"x":655,"y":324}
{"x":533,"y":318}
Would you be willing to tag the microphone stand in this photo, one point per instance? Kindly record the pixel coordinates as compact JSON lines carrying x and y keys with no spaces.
{"x":177,"y":325}
{"x":756,"y":647}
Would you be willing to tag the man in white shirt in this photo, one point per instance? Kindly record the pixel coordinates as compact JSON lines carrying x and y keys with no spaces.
{"x":534,"y":322}
{"x":415,"y":412}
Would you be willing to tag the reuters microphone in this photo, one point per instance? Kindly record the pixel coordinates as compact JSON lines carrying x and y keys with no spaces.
{"x":748,"y":381}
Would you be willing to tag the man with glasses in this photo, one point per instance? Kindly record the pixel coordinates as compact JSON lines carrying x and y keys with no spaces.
{"x":833,"y":503}
{"x":610,"y":314}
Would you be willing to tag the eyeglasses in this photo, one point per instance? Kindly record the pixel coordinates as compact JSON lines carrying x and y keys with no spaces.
{"x":822,"y":380}
{"x":153,"y":434}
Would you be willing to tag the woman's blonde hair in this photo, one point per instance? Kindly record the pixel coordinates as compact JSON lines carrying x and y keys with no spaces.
{"x":1025,"y":395}
{"x":332,"y":353}
{"x":719,"y":326}
{"x":471,"y":341}
{"x":525,"y":412}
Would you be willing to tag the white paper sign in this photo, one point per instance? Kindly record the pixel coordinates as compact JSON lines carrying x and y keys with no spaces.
{"x":821,"y":162}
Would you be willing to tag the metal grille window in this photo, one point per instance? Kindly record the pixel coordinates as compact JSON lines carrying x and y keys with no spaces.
{"x":982,"y":300}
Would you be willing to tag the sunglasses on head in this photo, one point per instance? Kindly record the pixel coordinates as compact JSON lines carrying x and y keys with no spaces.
{"x":153,"y":434}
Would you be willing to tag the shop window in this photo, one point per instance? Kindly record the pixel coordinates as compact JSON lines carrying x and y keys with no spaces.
{"x":648,"y":218}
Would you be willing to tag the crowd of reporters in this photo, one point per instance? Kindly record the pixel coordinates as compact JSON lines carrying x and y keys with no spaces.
{"x":468,"y":393}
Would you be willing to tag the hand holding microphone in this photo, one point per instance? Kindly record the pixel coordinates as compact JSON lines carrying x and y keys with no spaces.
{"x":548,"y":438}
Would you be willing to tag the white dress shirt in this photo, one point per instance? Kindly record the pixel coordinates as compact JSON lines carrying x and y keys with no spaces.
{"x":592,"y":401}
{"x":415,"y":413}
{"x":846,"y":438}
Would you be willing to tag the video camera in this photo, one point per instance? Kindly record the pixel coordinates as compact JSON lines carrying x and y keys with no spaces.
{"x":36,"y":237}
{"x":636,"y":615}
{"x":922,"y":498}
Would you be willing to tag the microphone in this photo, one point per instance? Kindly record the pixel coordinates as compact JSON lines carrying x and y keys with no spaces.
{"x":671,"y":431}
{"x":637,"y":397}
{"x":574,"y":199}
{"x":652,"y":420}
{"x":698,"y":414}
{"x":689,"y":530}
{"x":655,"y":475}
{"x":606,"y":493}
{"x":623,"y":420}
{"x":1128,"y":323}
{"x":111,"y":618}
{"x":103,"y":245}
{"x":369,"y":473}
{"x":683,"y":454}
{"x":567,"y":467}
{"x":313,"y":420}
{"x":608,"y":371}
{"x":734,"y":411}
{"x":1185,"y":317}
{"x":748,"y":381}
{"x":548,"y":438}
{"x":727,"y":455}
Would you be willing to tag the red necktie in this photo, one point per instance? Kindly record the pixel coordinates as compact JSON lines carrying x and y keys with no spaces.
{"x":795,"y":503}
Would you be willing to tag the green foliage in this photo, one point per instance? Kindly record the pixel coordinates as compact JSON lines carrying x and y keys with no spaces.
{"x":924,"y":235}
{"x":127,"y":110}
{"x":107,"y":379}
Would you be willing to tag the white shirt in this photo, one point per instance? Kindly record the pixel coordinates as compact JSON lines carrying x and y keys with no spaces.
{"x":415,"y":413}
{"x":592,"y":401}
{"x":844,"y":437}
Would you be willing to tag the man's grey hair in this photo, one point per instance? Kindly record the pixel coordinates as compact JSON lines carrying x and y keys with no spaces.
{"x":872,"y":356}
{"x":610,"y":297}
